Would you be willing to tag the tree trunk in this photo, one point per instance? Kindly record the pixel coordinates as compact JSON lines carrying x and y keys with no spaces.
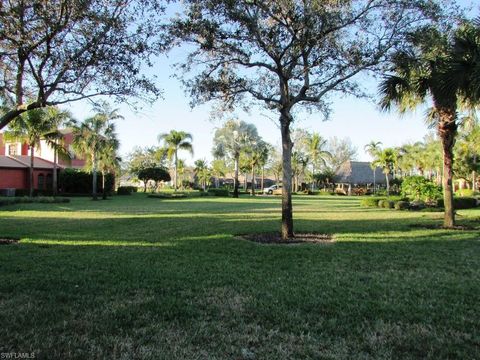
{"x":263,"y":177}
{"x":245,"y":184}
{"x":447,"y":129}
{"x":313,"y":177}
{"x":55,"y":169}
{"x":32,"y":159}
{"x":253,"y":181}
{"x":287,"y":216}
{"x":235,"y":178}
{"x":104,"y":191}
{"x":474,"y":173}
{"x":388,"y":184}
{"x":94,"y":177}
{"x":175,"y":172}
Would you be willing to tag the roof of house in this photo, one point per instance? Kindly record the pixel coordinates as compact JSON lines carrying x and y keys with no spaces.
{"x":8,"y":162}
{"x":39,"y":163}
{"x":358,"y":172}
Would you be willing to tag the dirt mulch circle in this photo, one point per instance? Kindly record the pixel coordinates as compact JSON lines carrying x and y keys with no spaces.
{"x":275,"y":238}
{"x":8,"y":241}
{"x":441,"y":227}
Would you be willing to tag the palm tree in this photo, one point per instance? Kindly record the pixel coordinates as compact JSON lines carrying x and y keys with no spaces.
{"x":93,"y":137}
{"x":175,"y":141}
{"x":108,"y":161}
{"x":373,"y":148}
{"x":202,"y":172}
{"x":257,"y":153}
{"x":386,"y":159}
{"x":32,"y":127}
{"x":315,"y":147}
{"x":231,"y":140}
{"x":444,"y":71}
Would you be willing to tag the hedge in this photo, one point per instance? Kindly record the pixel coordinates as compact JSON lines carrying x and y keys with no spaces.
{"x":461,"y":203}
{"x":218,"y":192}
{"x":371,"y":201}
{"x":126,"y":190}
{"x":32,"y":200}
{"x":80,"y":182}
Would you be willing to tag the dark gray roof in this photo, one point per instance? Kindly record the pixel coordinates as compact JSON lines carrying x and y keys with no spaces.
{"x":358,"y":172}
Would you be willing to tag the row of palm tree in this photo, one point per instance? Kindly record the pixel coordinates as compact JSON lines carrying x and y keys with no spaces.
{"x":94,"y":139}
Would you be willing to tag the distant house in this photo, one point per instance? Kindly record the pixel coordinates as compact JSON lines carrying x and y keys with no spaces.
{"x":15,"y":164}
{"x":359,"y":173}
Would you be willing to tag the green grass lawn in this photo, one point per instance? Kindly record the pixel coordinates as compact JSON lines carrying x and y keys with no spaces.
{"x":143,"y":278}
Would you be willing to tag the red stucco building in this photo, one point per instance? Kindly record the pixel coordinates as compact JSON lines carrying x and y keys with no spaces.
{"x":15,"y":164}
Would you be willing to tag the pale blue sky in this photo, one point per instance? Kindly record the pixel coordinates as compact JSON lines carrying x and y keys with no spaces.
{"x":359,"y":120}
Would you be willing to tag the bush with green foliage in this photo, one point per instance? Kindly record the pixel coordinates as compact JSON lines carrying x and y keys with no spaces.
{"x":465,"y":193}
{"x":73,"y":181}
{"x":126,"y":190}
{"x":417,"y":205}
{"x":32,"y":200}
{"x":386,"y":204}
{"x":402,"y":205}
{"x":419,"y":188}
{"x":168,"y":196}
{"x":219,"y":192}
{"x":371,"y":201}
{"x":461,"y":203}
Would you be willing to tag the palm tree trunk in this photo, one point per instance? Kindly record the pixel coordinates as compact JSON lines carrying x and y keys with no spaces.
{"x":32,"y":159}
{"x":94,"y":177}
{"x":287,"y":216}
{"x":253,"y":181}
{"x":104,"y":191}
{"x":235,"y":177}
{"x":245,"y":184}
{"x":388,"y":184}
{"x":263,"y":177}
{"x":55,"y":166}
{"x":374,"y":181}
{"x":474,"y":173}
{"x":175,"y":172}
{"x":447,"y":129}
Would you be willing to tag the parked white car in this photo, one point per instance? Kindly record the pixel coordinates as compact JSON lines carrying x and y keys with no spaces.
{"x":270,"y":190}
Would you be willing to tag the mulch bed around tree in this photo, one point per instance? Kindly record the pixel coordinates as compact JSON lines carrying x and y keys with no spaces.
{"x":8,"y":241}
{"x":275,"y":238}
{"x":441,"y":227}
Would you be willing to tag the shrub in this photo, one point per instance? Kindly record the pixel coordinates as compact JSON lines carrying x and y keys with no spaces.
{"x":168,"y":196}
{"x":419,"y":188}
{"x":371,"y":201}
{"x":465,"y":193}
{"x":460,"y":203}
{"x":386,"y":204}
{"x":126,"y":190}
{"x":218,"y":192}
{"x":402,"y":205}
{"x":32,"y":200}
{"x":417,"y":205}
{"x":74,"y":181}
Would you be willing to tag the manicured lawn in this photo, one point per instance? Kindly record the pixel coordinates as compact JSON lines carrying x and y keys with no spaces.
{"x":142,"y":278}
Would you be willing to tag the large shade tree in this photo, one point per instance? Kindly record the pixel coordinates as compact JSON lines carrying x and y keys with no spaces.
{"x":58,"y":51}
{"x":441,"y":66}
{"x":285,"y":55}
{"x":173,"y":142}
{"x":230,"y":140}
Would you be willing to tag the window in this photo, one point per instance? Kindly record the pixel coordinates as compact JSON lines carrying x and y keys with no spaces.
{"x":12,"y":149}
{"x":41,"y":182}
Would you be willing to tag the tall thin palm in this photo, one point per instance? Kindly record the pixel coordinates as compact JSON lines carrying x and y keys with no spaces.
{"x":386,"y":159}
{"x":316,"y":151}
{"x":175,"y":141}
{"x":373,"y":148}
{"x":92,"y":137}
